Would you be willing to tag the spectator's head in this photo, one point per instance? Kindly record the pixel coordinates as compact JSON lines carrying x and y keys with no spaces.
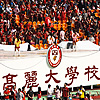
{"x":19,"y":90}
{"x":65,"y":84}
{"x":6,"y":87}
{"x":30,"y":87}
{"x":23,"y":88}
{"x":81,"y":86}
{"x":14,"y":87}
{"x":57,"y":87}
{"x":49,"y":86}
{"x":39,"y":89}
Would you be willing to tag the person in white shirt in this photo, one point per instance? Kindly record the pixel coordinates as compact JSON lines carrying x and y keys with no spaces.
{"x":8,"y":9}
{"x":62,"y":34}
{"x":16,"y":10}
{"x":57,"y":93}
{"x":51,"y":40}
{"x":49,"y":92}
{"x":91,"y":39}
{"x":19,"y":95}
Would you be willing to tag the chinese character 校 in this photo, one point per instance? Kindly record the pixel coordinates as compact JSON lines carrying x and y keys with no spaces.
{"x":92,"y":71}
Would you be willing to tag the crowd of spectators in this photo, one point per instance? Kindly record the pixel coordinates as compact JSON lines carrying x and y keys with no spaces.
{"x":26,"y":19}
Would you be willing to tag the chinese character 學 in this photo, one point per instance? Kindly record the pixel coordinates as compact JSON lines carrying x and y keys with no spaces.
{"x":93,"y":71}
{"x":31,"y":79}
{"x":72,"y":74}
{"x":10,"y":83}
{"x":51,"y":76}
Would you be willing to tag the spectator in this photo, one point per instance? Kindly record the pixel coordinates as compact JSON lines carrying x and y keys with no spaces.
{"x":51,"y":40}
{"x":19,"y":95}
{"x":62,"y":34}
{"x":92,"y":39}
{"x":30,"y":94}
{"x":75,"y":37}
{"x":49,"y":92}
{"x":8,"y":9}
{"x":70,"y":43}
{"x":24,"y":92}
{"x":39,"y":93}
{"x":81,"y":92}
{"x":57,"y":93}
{"x":6,"y":94}
{"x":16,"y":10}
{"x":17,"y":45}
{"x":13,"y":93}
{"x":65,"y":92}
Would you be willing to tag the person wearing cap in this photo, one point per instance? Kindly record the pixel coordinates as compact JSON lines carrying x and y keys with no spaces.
{"x":49,"y":92}
{"x":6,"y":94}
{"x":65,"y":91}
{"x":30,"y":94}
{"x":81,"y":92}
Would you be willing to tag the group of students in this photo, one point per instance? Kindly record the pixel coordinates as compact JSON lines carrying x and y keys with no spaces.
{"x":62,"y":93}
{"x":20,"y":95}
{"x":13,"y":94}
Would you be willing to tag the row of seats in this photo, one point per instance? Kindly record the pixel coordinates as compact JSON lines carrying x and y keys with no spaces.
{"x":40,"y":46}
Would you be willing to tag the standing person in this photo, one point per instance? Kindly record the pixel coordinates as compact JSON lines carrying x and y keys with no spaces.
{"x":65,"y":93}
{"x":75,"y":37}
{"x":6,"y":94}
{"x":39,"y":93}
{"x":17,"y":45}
{"x":70,"y":43}
{"x":81,"y":92}
{"x":13,"y":93}
{"x":57,"y":93}
{"x":30,"y":94}
{"x":49,"y":93}
{"x":19,"y":95}
{"x":24,"y":92}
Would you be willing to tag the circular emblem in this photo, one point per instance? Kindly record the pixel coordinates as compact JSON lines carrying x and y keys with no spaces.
{"x":54,"y":56}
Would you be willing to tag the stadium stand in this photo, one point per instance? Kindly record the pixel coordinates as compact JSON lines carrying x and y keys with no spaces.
{"x":35,"y":20}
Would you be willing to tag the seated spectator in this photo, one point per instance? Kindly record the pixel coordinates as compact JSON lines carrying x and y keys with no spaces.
{"x":34,"y":15}
{"x":62,"y":34}
{"x":51,"y":40}
{"x":92,"y":39}
{"x":8,"y":9}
